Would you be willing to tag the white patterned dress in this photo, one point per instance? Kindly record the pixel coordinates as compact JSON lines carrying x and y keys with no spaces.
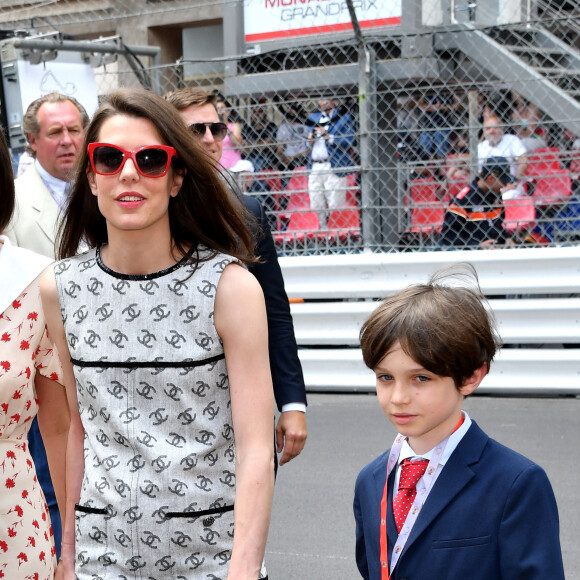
{"x":153,"y":393}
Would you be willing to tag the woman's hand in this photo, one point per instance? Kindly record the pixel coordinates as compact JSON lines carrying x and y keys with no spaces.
{"x":66,"y":565}
{"x":64,"y":572}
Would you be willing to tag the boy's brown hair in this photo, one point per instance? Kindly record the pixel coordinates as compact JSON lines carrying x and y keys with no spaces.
{"x":446,"y":329}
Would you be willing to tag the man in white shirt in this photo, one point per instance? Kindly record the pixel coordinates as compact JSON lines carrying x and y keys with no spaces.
{"x":55,"y":127}
{"x":498,"y":144}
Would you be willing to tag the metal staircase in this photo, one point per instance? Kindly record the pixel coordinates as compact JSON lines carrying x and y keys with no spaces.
{"x":540,"y":66}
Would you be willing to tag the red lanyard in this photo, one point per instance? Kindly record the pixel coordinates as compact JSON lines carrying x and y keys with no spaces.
{"x":384,"y":557}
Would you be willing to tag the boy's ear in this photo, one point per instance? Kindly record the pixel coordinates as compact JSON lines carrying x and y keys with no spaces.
{"x":471,"y":383}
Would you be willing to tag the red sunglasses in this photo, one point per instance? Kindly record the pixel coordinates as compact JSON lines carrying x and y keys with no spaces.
{"x":150,"y":160}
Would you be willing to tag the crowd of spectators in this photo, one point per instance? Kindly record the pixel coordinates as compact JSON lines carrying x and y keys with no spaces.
{"x":317,"y":138}
{"x":273,"y":140}
{"x":434,"y":146}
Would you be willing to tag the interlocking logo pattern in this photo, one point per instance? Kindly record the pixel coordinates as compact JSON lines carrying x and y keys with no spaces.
{"x":159,"y":440}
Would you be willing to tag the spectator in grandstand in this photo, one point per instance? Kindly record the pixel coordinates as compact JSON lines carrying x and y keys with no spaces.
{"x":259,"y":138}
{"x":475,"y":216}
{"x":198,"y":110}
{"x":54,"y":125}
{"x":440,"y":112}
{"x":231,"y":144}
{"x":292,"y":140}
{"x":526,"y":120}
{"x":456,"y":175}
{"x":497,"y":143}
{"x":458,"y":167}
{"x":499,"y":102}
{"x":257,"y":188}
{"x":409,"y":116}
{"x":331,"y":137}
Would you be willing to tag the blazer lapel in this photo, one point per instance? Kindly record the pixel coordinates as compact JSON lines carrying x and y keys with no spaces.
{"x":48,"y":213}
{"x":456,"y":474}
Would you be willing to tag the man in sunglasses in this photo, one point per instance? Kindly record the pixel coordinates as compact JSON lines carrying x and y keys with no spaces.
{"x":54,"y":126}
{"x":198,"y":110}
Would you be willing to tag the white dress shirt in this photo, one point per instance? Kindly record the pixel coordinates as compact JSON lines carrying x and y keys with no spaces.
{"x":408,"y":453}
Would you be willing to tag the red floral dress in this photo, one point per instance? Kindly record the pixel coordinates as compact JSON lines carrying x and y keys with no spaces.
{"x":26,"y":543}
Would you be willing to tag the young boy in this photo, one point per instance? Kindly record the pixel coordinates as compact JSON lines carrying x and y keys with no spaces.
{"x":479,"y":510}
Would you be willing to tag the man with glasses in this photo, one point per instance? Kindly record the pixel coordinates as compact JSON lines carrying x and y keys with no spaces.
{"x":198,"y":110}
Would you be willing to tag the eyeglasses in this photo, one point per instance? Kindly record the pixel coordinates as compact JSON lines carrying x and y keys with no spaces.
{"x":150,"y":160}
{"x":218,"y":130}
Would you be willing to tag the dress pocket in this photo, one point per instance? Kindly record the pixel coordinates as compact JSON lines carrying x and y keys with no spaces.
{"x":92,"y":539}
{"x":202,"y":541}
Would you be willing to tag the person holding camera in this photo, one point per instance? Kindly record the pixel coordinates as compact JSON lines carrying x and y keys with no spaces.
{"x":331,"y":139}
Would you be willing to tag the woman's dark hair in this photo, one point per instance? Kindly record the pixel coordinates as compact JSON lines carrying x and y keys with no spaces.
{"x":7,"y":195}
{"x":204,"y":212}
{"x":443,"y":326}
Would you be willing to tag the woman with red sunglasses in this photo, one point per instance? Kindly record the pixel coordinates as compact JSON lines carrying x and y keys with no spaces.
{"x":169,"y":388}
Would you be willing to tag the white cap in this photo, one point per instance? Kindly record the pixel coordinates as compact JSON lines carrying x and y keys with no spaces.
{"x":242,"y":165}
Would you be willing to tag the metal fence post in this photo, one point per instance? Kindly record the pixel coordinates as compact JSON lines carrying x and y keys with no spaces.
{"x":367,"y":113}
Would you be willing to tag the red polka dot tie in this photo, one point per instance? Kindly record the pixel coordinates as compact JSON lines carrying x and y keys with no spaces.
{"x":411,"y":473}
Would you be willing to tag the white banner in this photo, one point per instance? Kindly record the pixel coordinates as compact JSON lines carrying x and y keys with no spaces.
{"x":274,"y":19}
{"x":71,"y":79}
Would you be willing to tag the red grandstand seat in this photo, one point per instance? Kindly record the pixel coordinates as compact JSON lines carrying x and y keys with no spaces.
{"x":299,"y":180}
{"x":303,"y":226}
{"x":423,"y":190}
{"x":454,"y":186}
{"x":543,"y":161}
{"x":551,"y":182}
{"x":552,"y":189}
{"x":353,"y":191}
{"x":271,"y":177}
{"x":298,"y":198}
{"x":427,"y":219}
{"x":520,"y":214}
{"x":343,"y":224}
{"x":303,"y":221}
{"x":427,"y":210}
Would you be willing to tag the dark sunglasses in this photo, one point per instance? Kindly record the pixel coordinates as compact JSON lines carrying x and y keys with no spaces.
{"x":218,"y":130}
{"x":150,"y":160}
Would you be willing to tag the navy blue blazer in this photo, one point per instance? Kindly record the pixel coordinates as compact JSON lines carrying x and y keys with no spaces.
{"x":284,"y":362}
{"x":491,"y":514}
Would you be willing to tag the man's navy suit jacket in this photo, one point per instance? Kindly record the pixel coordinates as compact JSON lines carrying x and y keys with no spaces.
{"x":491,"y":515}
{"x":284,"y":362}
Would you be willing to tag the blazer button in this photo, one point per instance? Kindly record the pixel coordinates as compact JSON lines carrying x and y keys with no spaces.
{"x":208,"y":521}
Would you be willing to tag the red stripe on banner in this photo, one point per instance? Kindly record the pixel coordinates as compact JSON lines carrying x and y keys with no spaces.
{"x":319,"y":29}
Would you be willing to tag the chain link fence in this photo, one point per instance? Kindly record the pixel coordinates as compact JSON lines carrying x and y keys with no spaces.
{"x":376,"y":138}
